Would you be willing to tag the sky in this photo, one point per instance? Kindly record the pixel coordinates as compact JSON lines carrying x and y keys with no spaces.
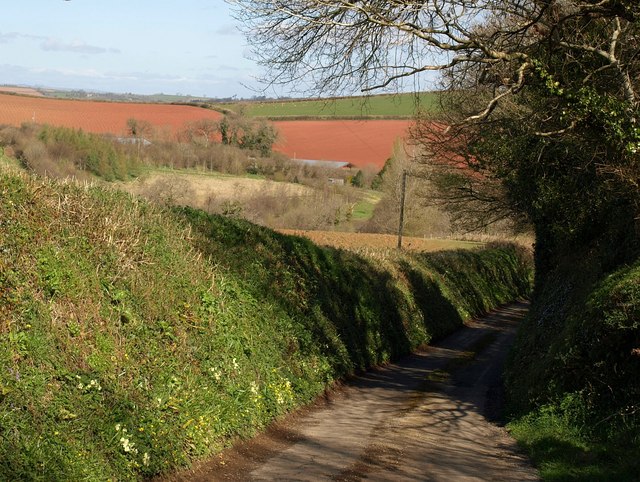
{"x":189,"y":47}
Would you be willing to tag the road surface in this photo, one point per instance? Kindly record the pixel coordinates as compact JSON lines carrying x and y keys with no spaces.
{"x":429,"y":417}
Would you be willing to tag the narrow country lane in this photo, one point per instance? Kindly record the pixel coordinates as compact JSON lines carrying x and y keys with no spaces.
{"x":428,"y":417}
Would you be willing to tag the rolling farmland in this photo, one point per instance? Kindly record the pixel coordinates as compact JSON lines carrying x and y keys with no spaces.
{"x":98,"y":117}
{"x":360,"y":241}
{"x":386,"y":105}
{"x":364,"y":143}
{"x":22,"y":91}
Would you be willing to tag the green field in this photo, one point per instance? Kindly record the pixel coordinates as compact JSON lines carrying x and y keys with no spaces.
{"x":397,"y":105}
{"x":363,"y":209}
{"x":402,"y":105}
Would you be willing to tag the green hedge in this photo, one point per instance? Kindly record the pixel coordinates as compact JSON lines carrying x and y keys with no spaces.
{"x":134,"y":340}
{"x":573,"y":378}
{"x":367,"y":310}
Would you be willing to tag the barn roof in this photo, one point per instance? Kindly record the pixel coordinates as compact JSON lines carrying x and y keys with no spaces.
{"x":319,"y":163}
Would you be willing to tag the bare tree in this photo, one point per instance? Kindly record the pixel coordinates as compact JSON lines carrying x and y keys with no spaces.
{"x":201,"y":131}
{"x":547,"y":83}
{"x":138,"y":129}
{"x":336,"y":46}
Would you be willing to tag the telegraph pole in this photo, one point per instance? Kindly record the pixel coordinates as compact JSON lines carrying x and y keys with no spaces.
{"x":404,"y":191}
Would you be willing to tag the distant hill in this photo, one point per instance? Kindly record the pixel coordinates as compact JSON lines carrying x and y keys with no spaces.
{"x":390,"y":106}
{"x":10,"y":89}
{"x":385,"y":106}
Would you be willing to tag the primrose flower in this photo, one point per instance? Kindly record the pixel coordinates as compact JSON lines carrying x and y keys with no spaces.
{"x":128,"y":446}
{"x":254,"y":388}
{"x":94,"y":384}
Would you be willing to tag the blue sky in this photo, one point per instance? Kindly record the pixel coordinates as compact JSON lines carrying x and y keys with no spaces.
{"x":139,"y":46}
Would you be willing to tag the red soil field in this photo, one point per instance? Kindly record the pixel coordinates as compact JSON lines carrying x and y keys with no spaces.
{"x":23,"y":91}
{"x":98,"y":117}
{"x":363,"y":143}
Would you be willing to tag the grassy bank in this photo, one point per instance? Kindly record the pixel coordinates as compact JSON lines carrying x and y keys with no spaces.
{"x":579,"y":352}
{"x":134,"y":340}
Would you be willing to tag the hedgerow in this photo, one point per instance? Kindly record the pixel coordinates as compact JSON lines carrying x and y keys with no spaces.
{"x":579,"y":353}
{"x":134,"y":340}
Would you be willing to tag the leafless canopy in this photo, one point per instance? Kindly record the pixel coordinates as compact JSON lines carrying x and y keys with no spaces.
{"x":566,"y":71}
{"x":337,"y":46}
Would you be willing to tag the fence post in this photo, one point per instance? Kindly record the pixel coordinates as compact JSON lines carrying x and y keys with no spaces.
{"x":404,"y":190}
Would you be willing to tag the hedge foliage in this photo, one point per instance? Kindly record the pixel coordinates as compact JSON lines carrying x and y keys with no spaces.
{"x":134,"y":340}
{"x":573,"y":377}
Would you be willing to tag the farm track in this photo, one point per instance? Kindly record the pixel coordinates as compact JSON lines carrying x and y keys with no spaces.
{"x":429,"y":417}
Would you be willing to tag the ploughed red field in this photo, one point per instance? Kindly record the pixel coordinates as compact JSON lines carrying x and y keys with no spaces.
{"x":363,"y":143}
{"x":98,"y":117}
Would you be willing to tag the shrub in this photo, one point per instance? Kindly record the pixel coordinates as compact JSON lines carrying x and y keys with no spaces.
{"x":64,"y":152}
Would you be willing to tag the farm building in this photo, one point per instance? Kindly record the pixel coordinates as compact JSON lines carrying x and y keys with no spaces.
{"x":327,"y":164}
{"x":133,"y":140}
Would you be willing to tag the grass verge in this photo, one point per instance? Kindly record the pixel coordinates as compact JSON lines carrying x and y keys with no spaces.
{"x":565,"y":451}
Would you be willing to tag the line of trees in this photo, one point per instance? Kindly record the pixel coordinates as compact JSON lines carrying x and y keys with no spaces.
{"x":234,"y":129}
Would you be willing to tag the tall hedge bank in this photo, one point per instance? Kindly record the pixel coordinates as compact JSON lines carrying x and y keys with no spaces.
{"x":573,"y":379}
{"x":134,"y":340}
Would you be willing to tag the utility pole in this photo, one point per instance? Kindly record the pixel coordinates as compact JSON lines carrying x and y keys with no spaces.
{"x":404,"y":191}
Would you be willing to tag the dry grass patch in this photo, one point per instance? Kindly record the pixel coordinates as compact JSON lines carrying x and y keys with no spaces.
{"x":359,"y":241}
{"x":201,"y":189}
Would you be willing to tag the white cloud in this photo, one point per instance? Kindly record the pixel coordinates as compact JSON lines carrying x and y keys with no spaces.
{"x":111,"y":81}
{"x":77,"y":46}
{"x":5,"y":38}
{"x":13,"y":36}
{"x":51,"y":44}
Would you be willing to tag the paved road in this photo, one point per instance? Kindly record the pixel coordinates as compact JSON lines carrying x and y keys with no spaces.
{"x":428,"y":417}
